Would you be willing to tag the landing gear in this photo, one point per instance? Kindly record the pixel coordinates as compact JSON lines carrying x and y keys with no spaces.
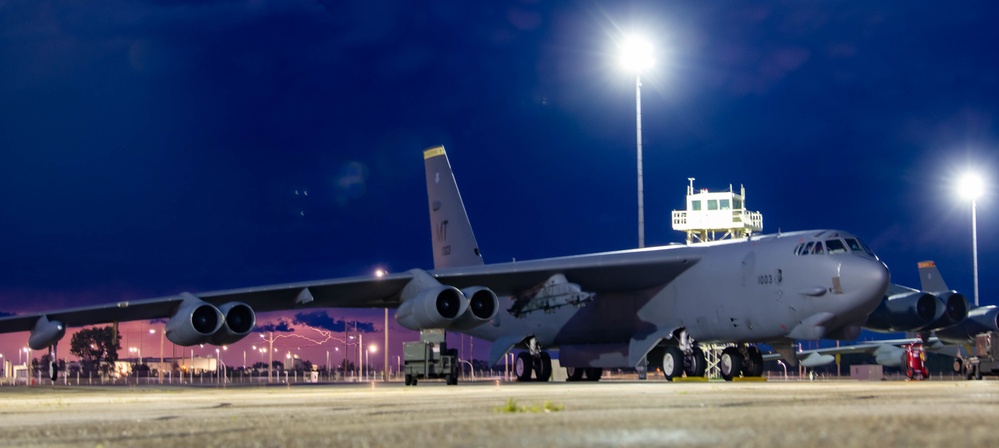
{"x":543,"y":367}
{"x":594,"y":373}
{"x":523,"y":366}
{"x":696,"y":364}
{"x":540,"y":366}
{"x":673,"y":364}
{"x":684,"y":358}
{"x":574,"y":373}
{"x":731,"y":363}
{"x":753,"y":362}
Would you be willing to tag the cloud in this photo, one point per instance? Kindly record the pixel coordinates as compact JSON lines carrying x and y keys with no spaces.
{"x":280,"y":327}
{"x":322,"y":319}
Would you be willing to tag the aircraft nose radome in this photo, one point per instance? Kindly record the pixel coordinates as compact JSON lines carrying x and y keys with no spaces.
{"x":867,"y":280}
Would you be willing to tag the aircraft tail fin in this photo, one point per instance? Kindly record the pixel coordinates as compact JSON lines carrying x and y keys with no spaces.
{"x":930,"y":278}
{"x":451,"y":232}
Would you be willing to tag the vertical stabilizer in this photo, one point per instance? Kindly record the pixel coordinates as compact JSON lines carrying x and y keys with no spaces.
{"x":450,"y":231}
{"x":930,"y":278}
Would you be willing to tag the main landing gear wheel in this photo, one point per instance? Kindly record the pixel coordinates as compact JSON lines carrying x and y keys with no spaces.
{"x":523,"y":366}
{"x":753,"y":365}
{"x":696,"y":365}
{"x":672,"y":363}
{"x":543,"y":367}
{"x":574,"y":373}
{"x":731,"y":363}
{"x":594,"y":374}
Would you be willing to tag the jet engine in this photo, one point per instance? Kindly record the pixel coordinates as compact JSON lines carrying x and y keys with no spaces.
{"x":482,"y":307}
{"x":434,"y":307}
{"x":955,"y":309}
{"x":195,"y":322}
{"x":979,"y":320}
{"x":904,"y":312}
{"x":239,"y":321}
{"x":889,"y":356}
{"x":45,"y":333}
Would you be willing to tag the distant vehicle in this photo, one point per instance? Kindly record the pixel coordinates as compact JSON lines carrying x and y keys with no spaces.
{"x":430,"y":358}
{"x":986,"y":359}
{"x":914,"y":358}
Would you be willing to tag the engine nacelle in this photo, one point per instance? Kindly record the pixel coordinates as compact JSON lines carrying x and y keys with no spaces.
{"x":434,"y":307}
{"x":889,"y":356}
{"x":482,"y":307}
{"x":955,"y":309}
{"x":904,"y":312}
{"x":979,"y":320}
{"x":195,"y":322}
{"x":46,"y":333}
{"x":239,"y":321}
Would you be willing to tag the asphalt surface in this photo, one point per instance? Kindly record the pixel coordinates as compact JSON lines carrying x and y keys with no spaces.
{"x":831,"y":413}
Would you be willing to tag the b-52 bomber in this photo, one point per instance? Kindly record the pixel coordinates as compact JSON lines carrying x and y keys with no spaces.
{"x":605,"y":310}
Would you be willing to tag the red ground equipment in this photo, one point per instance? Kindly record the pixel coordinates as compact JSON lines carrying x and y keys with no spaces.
{"x":914,"y":361}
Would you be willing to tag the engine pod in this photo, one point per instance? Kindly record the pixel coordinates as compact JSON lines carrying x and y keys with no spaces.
{"x":46,"y":333}
{"x":238,"y":322}
{"x":434,"y":307}
{"x":195,"y":322}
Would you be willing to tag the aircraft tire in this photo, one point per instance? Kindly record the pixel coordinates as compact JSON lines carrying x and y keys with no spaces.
{"x":731,"y":363}
{"x":672,"y":363}
{"x":450,"y":379}
{"x":697,"y":363}
{"x":543,"y":367}
{"x":753,"y":365}
{"x":978,"y":372}
{"x":409,"y":379}
{"x":594,"y":373}
{"x":958,"y":365}
{"x":574,"y":373}
{"x":522,"y":367}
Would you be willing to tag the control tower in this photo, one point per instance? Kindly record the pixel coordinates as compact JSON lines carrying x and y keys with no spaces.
{"x":709,"y":214}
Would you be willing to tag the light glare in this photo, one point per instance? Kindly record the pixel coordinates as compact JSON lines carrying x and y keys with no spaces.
{"x":970,"y":186}
{"x":636,"y":54}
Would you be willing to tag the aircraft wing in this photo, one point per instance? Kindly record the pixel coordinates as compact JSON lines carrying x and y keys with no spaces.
{"x":345,"y":293}
{"x":886,"y":351}
{"x":601,"y":272}
{"x":631,"y":270}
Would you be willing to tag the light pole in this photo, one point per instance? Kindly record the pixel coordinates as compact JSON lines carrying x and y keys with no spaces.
{"x":372,"y":348}
{"x":971,"y":188}
{"x":636,"y":56}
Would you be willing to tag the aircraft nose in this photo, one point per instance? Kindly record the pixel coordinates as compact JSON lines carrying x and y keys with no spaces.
{"x":865,"y":280}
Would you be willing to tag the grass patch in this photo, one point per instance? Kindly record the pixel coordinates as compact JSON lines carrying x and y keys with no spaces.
{"x":512,"y":407}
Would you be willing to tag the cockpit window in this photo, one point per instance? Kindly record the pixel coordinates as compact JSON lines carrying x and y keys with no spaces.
{"x":817,"y":248}
{"x":859,"y":246}
{"x":835,"y":247}
{"x":808,"y":248}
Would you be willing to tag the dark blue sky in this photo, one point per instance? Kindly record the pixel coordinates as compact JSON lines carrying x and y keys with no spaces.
{"x":148,"y":148}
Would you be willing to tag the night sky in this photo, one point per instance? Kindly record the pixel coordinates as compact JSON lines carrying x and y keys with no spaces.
{"x":149,"y":148}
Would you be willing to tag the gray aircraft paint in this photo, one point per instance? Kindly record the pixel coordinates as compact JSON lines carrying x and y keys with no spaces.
{"x":610,"y":310}
{"x":729,"y":291}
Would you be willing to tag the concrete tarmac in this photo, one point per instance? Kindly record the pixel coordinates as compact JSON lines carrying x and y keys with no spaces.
{"x":630,"y":414}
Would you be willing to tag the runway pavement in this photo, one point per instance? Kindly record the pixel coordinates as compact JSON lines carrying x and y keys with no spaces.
{"x":832,"y":413}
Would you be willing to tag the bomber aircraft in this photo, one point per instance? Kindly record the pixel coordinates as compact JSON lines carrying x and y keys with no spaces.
{"x":604,"y":310}
{"x":934,"y":315}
